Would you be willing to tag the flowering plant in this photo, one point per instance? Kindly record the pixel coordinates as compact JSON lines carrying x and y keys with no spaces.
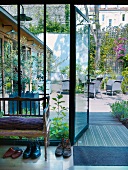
{"x":120,"y":48}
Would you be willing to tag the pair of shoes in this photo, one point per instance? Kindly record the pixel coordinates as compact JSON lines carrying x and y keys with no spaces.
{"x":13,"y":152}
{"x":64,"y":148}
{"x":32,"y":151}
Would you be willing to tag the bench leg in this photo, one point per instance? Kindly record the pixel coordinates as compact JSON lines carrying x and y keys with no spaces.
{"x":45,"y":147}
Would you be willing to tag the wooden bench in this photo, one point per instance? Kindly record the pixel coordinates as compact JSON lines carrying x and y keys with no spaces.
{"x":25,"y":117}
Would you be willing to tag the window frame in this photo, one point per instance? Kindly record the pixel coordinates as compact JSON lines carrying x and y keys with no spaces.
{"x":123,"y":17}
{"x":110,"y":22}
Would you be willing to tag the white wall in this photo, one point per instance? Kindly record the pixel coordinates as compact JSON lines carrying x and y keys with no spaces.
{"x":116,"y":17}
{"x":60,"y":45}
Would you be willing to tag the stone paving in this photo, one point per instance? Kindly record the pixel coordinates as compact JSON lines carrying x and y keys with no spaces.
{"x":101,"y":103}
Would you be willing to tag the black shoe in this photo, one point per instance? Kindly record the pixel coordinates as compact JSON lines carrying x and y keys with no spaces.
{"x":36,"y":152}
{"x":28,"y":151}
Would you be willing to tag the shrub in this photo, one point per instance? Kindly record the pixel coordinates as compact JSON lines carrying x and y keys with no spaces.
{"x":120,"y":109}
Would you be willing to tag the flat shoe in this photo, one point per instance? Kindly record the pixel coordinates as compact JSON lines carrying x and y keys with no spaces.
{"x":10,"y":152}
{"x":17,"y":153}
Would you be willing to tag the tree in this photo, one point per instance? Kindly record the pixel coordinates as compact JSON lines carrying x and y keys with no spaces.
{"x":97,"y":35}
{"x":95,"y":32}
{"x":107,"y":54}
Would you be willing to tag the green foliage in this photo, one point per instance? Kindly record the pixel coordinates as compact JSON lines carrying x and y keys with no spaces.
{"x":9,"y":66}
{"x":57,"y":27}
{"x":65,"y":70}
{"x":59,"y":127}
{"x":107,"y":53}
{"x":120,"y":109}
{"x":92,"y":55}
{"x":79,"y":88}
{"x":124,"y":84}
{"x":67,"y":14}
{"x":52,"y":26}
{"x":37,"y":29}
{"x":41,"y":88}
{"x":126,"y":61}
{"x":1,"y":114}
{"x":8,"y":86}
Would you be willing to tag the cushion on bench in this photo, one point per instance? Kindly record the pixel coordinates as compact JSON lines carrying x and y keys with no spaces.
{"x":21,"y":123}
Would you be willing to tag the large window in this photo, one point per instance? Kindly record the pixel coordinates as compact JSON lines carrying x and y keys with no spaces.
{"x":110,"y":22}
{"x":123,"y":17}
{"x":103,"y":17}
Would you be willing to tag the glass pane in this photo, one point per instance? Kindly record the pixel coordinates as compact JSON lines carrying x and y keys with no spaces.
{"x":32,"y":50}
{"x":9,"y":56}
{"x":58,"y":40}
{"x":81,"y":96}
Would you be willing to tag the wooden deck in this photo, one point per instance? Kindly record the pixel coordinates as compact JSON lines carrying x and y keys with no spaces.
{"x":104,"y":130}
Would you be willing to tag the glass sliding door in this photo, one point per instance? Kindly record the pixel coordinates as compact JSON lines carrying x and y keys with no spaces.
{"x":57,"y":67}
{"x":81,"y":74}
{"x":81,"y":90}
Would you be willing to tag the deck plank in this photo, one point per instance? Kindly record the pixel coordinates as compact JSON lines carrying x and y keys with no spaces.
{"x":104,"y":130}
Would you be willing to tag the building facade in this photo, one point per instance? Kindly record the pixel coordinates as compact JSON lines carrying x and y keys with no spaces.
{"x":110,"y":15}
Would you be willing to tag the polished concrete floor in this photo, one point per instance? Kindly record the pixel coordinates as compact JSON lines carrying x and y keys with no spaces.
{"x":53,"y":162}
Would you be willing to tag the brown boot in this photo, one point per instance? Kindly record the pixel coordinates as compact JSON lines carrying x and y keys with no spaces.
{"x":60,"y":148}
{"x":67,"y":149}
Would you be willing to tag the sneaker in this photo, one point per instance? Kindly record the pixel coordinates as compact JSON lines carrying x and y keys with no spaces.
{"x":60,"y":148}
{"x":67,"y":149}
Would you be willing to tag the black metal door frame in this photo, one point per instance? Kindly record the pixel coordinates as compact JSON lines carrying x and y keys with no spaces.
{"x":72,"y":137}
{"x":72,"y":62}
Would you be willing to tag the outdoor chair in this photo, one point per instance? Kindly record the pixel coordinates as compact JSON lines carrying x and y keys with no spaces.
{"x":119,"y":78}
{"x":65,"y":85}
{"x":94,"y":87}
{"x":113,"y":86}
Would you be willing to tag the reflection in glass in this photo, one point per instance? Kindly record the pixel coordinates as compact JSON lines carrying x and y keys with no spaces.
{"x":58,"y":39}
{"x":30,"y":53}
{"x":31,"y":50}
{"x":81,"y":73}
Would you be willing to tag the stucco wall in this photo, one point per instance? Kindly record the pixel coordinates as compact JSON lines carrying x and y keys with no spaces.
{"x":60,"y":45}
